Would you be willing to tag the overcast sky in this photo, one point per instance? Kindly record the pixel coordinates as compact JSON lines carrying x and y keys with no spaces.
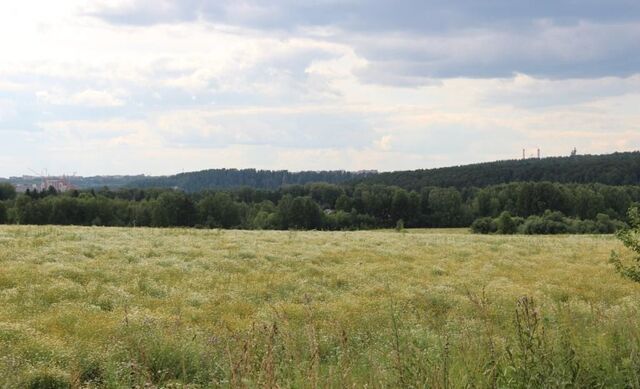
{"x":161,"y":86}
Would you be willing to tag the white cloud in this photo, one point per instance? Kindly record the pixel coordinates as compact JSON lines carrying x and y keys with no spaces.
{"x":96,"y":98}
{"x":85,"y":98}
{"x":274,"y":87}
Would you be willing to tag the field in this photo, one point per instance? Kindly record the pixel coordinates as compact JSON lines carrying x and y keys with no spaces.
{"x":118,"y":307}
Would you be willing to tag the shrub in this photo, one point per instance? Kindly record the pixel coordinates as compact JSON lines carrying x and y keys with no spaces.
{"x":548,"y":223}
{"x":48,"y":381}
{"x":605,"y":225}
{"x":630,"y":237}
{"x":505,"y":224}
{"x":484,"y":225}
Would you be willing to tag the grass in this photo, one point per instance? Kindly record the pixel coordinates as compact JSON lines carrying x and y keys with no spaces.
{"x":118,"y":307}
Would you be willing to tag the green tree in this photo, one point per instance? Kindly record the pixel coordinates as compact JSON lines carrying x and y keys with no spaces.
{"x":305,"y":214}
{"x":219,"y":210}
{"x":445,"y":205}
{"x":173,"y":209}
{"x":505,"y":224}
{"x":3,"y":213}
{"x":7,"y":191}
{"x":325,"y":194}
{"x":344,"y":203}
{"x":587,"y":203}
{"x":400,"y":205}
{"x":630,"y":237}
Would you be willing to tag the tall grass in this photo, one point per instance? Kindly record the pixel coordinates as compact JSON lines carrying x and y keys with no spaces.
{"x":107,"y":307}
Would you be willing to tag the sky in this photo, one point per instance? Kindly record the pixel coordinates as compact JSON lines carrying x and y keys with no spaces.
{"x":165,"y":86}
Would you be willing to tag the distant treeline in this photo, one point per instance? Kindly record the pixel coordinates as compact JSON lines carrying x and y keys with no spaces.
{"x":236,"y":178}
{"x":78,"y":181}
{"x":316,"y":206}
{"x":609,"y":169}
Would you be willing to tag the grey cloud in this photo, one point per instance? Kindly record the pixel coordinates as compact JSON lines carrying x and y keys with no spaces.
{"x":548,"y":51}
{"x":370,"y":15}
{"x":145,"y":12}
{"x":411,"y":42}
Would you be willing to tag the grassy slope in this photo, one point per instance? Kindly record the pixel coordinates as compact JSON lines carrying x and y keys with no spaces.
{"x":130,"y":306}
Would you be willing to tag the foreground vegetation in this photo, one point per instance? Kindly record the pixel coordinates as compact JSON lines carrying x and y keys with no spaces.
{"x":124,"y":307}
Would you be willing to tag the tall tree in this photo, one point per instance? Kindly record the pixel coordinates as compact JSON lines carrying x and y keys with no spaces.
{"x":7,"y":191}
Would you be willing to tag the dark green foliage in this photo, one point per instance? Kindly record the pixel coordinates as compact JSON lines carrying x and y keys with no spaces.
{"x":173,"y":209}
{"x":505,"y":224}
{"x":445,"y":205}
{"x":91,"y":372}
{"x":484,"y":225}
{"x":219,"y":210}
{"x":3,"y":214}
{"x":610,"y":169}
{"x":326,"y":195}
{"x":299,"y":213}
{"x":630,"y":237}
{"x":574,"y":208}
{"x":234,"y":178}
{"x":47,"y":381}
{"x":548,"y":223}
{"x":344,"y":203}
{"x":7,"y":191}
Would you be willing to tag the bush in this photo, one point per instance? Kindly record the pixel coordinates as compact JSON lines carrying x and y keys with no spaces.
{"x":505,"y":224}
{"x":547,"y":224}
{"x":605,"y":225}
{"x":48,"y":381}
{"x":630,"y":237}
{"x":484,"y":225}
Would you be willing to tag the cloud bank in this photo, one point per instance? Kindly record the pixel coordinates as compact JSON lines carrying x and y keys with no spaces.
{"x":140,"y":86}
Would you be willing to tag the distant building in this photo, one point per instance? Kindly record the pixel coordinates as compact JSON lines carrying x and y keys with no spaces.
{"x":21,"y":188}
{"x":60,"y":184}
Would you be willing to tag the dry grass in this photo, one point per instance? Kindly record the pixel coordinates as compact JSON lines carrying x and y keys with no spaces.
{"x":118,"y":307}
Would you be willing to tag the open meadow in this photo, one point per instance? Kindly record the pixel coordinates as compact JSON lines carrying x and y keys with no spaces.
{"x":125,"y":307}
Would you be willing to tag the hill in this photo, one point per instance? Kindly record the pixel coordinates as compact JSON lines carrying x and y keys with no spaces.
{"x":610,"y":169}
{"x":234,"y":178}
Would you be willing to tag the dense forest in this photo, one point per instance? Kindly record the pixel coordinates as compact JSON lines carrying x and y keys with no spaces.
{"x":323,"y":206}
{"x":610,"y":169}
{"x":578,"y":194}
{"x":235,"y":178}
{"x":205,"y":179}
